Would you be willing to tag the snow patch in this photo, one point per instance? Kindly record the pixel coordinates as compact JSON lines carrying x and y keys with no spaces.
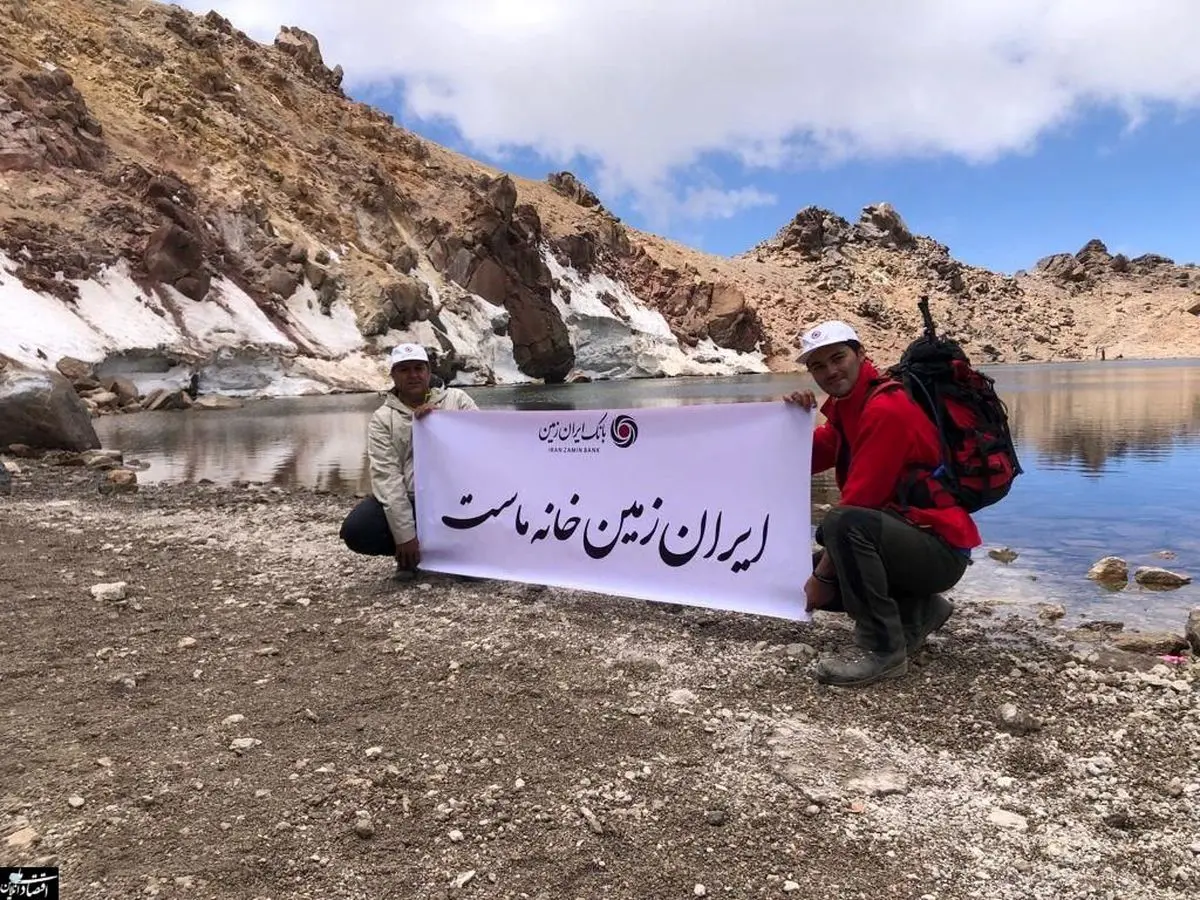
{"x":617,"y":336}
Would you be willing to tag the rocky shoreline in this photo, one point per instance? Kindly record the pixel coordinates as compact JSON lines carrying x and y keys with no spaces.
{"x":208,"y":695}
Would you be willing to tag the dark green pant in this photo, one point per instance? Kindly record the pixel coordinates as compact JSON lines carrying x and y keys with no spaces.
{"x":887,"y":572}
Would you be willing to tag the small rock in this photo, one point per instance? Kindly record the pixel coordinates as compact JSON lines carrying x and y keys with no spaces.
{"x":699,"y":891}
{"x":681,"y":697}
{"x":1002,"y":818}
{"x":456,"y":836}
{"x":1151,"y":576}
{"x":715,"y":817}
{"x":1051,"y":612}
{"x":1155,"y":643}
{"x":1003,"y":554}
{"x":109,"y":593}
{"x":800,"y":651}
{"x":1110,"y":569}
{"x":119,"y":481}
{"x":186,"y":642}
{"x":465,"y":878}
{"x":593,"y":823}
{"x":879,"y":784}
{"x":812,"y":810}
{"x":23,"y":839}
{"x":239,"y":745}
{"x":75,"y":801}
{"x":373,"y":752}
{"x":1193,"y":630}
{"x":364,"y":828}
{"x":1016,"y":721}
{"x":790,"y":887}
{"x":267,"y":651}
{"x":235,"y":719}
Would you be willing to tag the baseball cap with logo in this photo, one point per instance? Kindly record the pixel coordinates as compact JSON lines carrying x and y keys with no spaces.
{"x":824,"y":335}
{"x":407,"y":353}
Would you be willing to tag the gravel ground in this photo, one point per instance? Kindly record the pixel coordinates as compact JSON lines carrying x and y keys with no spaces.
{"x":259,"y":713}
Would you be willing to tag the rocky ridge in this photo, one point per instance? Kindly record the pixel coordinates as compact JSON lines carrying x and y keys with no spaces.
{"x":228,"y":179}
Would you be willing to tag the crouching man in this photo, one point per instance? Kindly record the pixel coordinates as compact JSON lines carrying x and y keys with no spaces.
{"x":884,"y":562}
{"x":384,"y":524}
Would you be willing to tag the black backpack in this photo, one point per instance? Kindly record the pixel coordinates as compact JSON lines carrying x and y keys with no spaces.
{"x":979,"y":459}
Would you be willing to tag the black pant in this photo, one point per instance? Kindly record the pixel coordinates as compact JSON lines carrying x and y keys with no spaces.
{"x":887,"y":572}
{"x":366,"y":530}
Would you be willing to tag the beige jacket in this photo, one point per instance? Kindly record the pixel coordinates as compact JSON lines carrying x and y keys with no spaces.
{"x":390,"y":455}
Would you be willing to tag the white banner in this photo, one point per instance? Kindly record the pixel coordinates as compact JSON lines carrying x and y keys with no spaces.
{"x":700,"y":505}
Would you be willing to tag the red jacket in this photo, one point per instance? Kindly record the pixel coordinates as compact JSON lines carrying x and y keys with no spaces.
{"x":887,"y":437}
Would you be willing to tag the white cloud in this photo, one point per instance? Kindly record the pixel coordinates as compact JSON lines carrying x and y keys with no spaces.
{"x":647,"y":88}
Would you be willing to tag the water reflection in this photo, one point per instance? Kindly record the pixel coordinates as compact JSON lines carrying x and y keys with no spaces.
{"x":1084,"y":416}
{"x":1077,"y":417}
{"x":1111,"y":451}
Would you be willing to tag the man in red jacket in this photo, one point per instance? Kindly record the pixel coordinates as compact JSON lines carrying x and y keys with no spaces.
{"x":884,"y":563}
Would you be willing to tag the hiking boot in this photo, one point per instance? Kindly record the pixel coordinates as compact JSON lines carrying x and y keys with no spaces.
{"x":860,"y":667}
{"x":939,"y":611}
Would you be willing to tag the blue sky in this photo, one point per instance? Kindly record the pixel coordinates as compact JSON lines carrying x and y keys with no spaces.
{"x":1007,"y":129}
{"x":1137,"y":189}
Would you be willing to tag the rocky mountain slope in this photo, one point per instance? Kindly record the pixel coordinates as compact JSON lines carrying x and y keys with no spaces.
{"x":182,"y":205}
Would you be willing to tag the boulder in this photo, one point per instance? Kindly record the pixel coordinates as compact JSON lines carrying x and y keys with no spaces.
{"x":573,"y":189}
{"x":881,"y":224}
{"x":500,"y":259}
{"x":119,"y":481}
{"x":1155,"y":643}
{"x":1094,"y":256}
{"x":176,"y":257}
{"x":76,"y":371}
{"x":1193,"y":629}
{"x":1152,"y":576}
{"x":1110,"y":570}
{"x":126,"y":390}
{"x":305,"y":49}
{"x":41,"y":410}
{"x":400,"y":302}
{"x":1062,"y":266}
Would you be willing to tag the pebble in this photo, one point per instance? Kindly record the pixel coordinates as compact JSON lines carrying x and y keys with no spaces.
{"x":700,"y":891}
{"x":364,"y":828}
{"x":715,"y":817}
{"x":1002,"y":818}
{"x":790,"y":887}
{"x":75,"y":801}
{"x":465,"y":878}
{"x":186,"y":642}
{"x":812,"y":810}
{"x":681,"y":697}
{"x":234,"y":719}
{"x":800,"y":651}
{"x":110,"y":593}
{"x":240,"y":744}
{"x":373,"y":752}
{"x":456,"y":836}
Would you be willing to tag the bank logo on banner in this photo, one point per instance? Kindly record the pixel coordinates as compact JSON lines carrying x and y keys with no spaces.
{"x":701,"y":505}
{"x":581,"y":437}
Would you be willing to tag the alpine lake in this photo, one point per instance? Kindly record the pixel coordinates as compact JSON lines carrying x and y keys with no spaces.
{"x":1111,"y":453}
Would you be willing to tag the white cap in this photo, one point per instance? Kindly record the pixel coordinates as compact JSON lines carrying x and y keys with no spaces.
{"x":824,"y":335}
{"x":407,"y":353}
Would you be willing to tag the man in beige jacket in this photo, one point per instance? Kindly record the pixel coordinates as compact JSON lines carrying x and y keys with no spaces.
{"x":384,"y":524}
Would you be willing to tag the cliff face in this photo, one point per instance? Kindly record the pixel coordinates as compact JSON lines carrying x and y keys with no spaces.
{"x":179,"y":202}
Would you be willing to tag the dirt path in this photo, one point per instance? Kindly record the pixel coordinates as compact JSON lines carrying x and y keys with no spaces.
{"x":266,"y":715}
